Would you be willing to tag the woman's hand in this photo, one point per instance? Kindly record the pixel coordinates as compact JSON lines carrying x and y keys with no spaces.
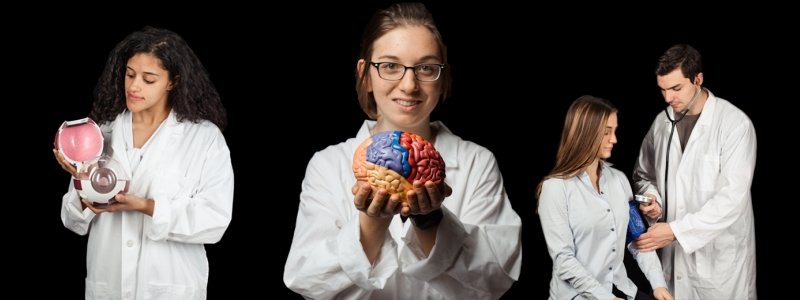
{"x":661,"y":293}
{"x":123,"y":202}
{"x":426,"y":198}
{"x":375,"y":204}
{"x":65,"y":163}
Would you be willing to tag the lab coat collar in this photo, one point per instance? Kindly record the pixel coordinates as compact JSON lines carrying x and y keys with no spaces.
{"x":708,"y":110}
{"x":706,"y":115}
{"x":171,"y":127}
{"x":446,"y":142}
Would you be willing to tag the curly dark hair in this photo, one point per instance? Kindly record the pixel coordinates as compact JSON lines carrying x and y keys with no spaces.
{"x":193,"y":96}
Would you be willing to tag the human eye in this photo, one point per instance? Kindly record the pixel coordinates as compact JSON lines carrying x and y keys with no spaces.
{"x":390,"y":68}
{"x":425,"y":69}
{"x":149,"y":80}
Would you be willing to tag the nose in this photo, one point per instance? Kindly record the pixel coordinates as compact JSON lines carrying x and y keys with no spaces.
{"x":613,"y":139}
{"x":408,"y":83}
{"x":669,"y":96}
{"x":133,"y":85}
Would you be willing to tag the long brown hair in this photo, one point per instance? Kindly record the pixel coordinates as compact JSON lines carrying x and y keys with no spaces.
{"x":581,"y":138}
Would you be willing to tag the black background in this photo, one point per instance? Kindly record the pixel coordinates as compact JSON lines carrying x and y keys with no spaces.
{"x":286,"y":76}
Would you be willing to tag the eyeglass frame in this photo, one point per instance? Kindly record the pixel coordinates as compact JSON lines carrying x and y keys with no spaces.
{"x":413,"y":68}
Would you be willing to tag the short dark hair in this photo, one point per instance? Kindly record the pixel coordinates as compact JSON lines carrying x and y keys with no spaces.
{"x":684,"y":56}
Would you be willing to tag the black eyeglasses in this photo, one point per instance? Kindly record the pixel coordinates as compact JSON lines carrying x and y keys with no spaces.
{"x":395,"y":71}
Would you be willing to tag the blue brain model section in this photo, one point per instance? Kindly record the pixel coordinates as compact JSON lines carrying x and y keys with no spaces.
{"x":387,"y":152}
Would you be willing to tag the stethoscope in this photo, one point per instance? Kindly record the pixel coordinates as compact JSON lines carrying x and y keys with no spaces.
{"x":669,"y":142}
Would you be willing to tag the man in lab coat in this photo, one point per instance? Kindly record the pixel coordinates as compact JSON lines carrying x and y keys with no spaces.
{"x":696,"y":164}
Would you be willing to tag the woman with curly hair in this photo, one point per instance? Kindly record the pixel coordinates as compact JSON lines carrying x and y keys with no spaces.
{"x":162,"y":119}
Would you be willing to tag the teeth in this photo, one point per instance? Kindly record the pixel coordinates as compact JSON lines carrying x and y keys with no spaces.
{"x":406,"y":103}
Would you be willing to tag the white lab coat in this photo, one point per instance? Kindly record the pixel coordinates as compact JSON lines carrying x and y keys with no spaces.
{"x":478,"y":250}
{"x":186,"y":169}
{"x":710,"y":208}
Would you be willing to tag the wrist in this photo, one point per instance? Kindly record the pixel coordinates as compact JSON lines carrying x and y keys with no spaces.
{"x":427,"y":220}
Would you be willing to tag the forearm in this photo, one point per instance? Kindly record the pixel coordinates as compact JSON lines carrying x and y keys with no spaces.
{"x":373,"y":232}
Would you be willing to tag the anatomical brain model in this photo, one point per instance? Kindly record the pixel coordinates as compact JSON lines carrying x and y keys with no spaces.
{"x":394,"y":159}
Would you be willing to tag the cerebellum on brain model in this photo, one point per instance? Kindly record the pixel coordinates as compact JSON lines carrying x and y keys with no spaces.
{"x":394,"y":159}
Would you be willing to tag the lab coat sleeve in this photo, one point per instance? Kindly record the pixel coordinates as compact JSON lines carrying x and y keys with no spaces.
{"x":650,"y":265}
{"x":326,"y":259}
{"x":554,"y":216}
{"x":200,"y":214}
{"x":644,"y":171}
{"x":73,"y":216}
{"x":737,"y":162}
{"x":478,"y":254}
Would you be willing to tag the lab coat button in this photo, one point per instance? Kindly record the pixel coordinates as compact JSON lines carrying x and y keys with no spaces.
{"x":679,"y":278}
{"x":129,"y":243}
{"x":128,"y":295}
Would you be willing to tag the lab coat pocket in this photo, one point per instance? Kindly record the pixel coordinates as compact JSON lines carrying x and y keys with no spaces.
{"x":715,"y":260}
{"x":176,"y":185}
{"x":707,"y":171}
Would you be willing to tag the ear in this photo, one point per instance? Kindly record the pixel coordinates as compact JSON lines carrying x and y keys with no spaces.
{"x":360,"y":66}
{"x":698,"y":80}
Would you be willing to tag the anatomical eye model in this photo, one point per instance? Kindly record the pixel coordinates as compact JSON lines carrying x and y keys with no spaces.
{"x":394,"y":159}
{"x":100,"y":177}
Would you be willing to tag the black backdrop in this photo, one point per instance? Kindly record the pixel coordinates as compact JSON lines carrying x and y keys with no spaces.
{"x":514,"y":72}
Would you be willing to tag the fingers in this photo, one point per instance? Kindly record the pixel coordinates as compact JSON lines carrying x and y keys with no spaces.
{"x":64,"y":163}
{"x":423,"y":197}
{"x":413,"y":200}
{"x":361,"y":200}
{"x":447,"y":190}
{"x":393,"y":206}
{"x":91,"y":207}
{"x":376,"y":205}
{"x":427,"y":197}
{"x":435,"y":196}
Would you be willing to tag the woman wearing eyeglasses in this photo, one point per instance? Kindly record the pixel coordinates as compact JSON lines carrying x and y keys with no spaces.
{"x":461,"y":239}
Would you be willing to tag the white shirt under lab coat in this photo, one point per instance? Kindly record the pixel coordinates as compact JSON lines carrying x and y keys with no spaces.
{"x":710,"y":209}
{"x":186,"y":169}
{"x":585,"y":233}
{"x":478,"y":251}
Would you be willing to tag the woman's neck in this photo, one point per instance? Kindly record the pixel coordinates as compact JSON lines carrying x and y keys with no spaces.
{"x":150,"y":117}
{"x":593,"y":170}
{"x":424,"y":130}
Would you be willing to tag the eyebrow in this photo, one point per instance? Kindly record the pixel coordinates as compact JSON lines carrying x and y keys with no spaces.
{"x":146,"y":73}
{"x":672,"y":87}
{"x":424,"y":58}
